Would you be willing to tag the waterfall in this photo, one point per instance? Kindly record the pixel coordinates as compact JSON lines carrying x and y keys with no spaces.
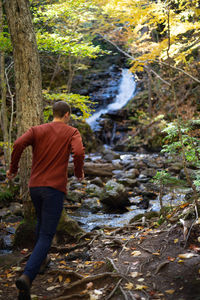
{"x":127,"y":89}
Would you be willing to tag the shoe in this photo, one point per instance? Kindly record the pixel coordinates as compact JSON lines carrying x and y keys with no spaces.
{"x":44,"y":265}
{"x":23,"y":284}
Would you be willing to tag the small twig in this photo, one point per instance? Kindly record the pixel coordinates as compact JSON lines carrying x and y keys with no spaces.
{"x":123,"y":293}
{"x":163,"y":264}
{"x":83,"y":281}
{"x":65,"y":272}
{"x":113,"y":264}
{"x":72,"y":296}
{"x":114,"y":290}
{"x":131,"y":295}
{"x":145,"y":249}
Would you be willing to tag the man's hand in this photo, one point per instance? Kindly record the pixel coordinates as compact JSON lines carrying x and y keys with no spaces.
{"x":10,"y":175}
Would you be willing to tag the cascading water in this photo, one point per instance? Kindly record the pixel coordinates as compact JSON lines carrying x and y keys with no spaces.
{"x":127,"y":89}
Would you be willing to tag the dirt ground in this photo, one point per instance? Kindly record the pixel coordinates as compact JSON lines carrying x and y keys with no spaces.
{"x":133,"y":262}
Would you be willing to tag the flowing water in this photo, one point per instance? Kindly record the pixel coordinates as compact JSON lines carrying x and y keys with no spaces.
{"x":127,"y":89}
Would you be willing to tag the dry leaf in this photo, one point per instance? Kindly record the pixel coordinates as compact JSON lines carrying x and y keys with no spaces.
{"x":175,"y":241}
{"x":51,"y":288}
{"x":60,"y":278}
{"x":89,"y":285}
{"x":140,"y":287}
{"x":141,"y":279}
{"x":134,"y":274}
{"x":186,"y":255}
{"x":170,"y":291}
{"x":67,"y":280}
{"x":136,"y":253}
{"x":129,"y":286}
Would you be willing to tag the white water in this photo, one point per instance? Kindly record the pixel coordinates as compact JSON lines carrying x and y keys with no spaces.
{"x":126,"y":91}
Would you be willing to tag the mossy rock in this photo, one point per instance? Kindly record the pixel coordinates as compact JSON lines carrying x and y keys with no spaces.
{"x":89,"y":140}
{"x":25,"y":235}
{"x":68,"y":228}
{"x":148,"y":215}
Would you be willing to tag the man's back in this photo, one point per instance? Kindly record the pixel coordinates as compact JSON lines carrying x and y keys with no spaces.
{"x":52,"y":144}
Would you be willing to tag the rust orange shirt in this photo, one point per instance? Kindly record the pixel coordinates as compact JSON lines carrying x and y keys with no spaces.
{"x":52,"y":144}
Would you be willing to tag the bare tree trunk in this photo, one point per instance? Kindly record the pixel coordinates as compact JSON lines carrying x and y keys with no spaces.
{"x":28,"y":82}
{"x":4,"y":116}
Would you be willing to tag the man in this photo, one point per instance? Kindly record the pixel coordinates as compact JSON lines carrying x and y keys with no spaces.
{"x":52,"y":144}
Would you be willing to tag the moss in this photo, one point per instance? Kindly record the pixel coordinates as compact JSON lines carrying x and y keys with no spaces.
{"x":25,"y":235}
{"x":68,"y":227}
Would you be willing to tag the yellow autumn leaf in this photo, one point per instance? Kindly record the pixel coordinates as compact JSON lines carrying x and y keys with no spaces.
{"x":186,"y":255}
{"x":60,"y":278}
{"x":67,"y":280}
{"x":140,"y":287}
{"x":175,"y":241}
{"x":170,"y":291}
{"x":129,"y":286}
{"x":136,"y":253}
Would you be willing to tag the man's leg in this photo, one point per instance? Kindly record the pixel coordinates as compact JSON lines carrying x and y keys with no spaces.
{"x":52,"y":205}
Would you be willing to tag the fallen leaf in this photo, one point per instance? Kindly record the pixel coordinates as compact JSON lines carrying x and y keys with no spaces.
{"x":89,"y":285}
{"x":134,"y":274}
{"x":170,"y":291}
{"x":60,"y":278}
{"x":140,"y":287}
{"x":67,"y":280}
{"x":129,"y":286}
{"x":171,"y":258}
{"x":51,"y":288}
{"x":136,"y":253}
{"x":186,"y":255}
{"x":175,"y":241}
{"x":141,"y":279}
{"x":156,"y":253}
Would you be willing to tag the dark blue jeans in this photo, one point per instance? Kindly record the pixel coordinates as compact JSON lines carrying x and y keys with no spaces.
{"x":48,"y":203}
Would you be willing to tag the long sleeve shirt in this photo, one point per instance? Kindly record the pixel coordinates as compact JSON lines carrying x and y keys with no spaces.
{"x":51,"y":144}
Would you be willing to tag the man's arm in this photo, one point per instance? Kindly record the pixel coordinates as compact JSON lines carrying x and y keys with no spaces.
{"x":78,"y":155}
{"x":19,"y":145}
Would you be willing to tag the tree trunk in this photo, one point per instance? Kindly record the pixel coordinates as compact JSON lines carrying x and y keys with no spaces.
{"x":28,"y":82}
{"x":4,"y":116}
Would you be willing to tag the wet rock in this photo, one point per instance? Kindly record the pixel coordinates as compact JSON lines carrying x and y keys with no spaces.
{"x":74,"y":196}
{"x":114,"y":195}
{"x":16,"y":209}
{"x":4,"y":212}
{"x":128,"y":182}
{"x":149,"y":172}
{"x":110,"y":155}
{"x":97,"y":181}
{"x":92,"y":204}
{"x":132,"y":173}
{"x":93,"y":189}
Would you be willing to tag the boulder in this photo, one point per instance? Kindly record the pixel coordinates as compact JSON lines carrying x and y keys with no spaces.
{"x":16,"y":209}
{"x":93,"y":189}
{"x":97,"y":181}
{"x":114,"y":195}
{"x":74,"y":195}
{"x":92,"y":204}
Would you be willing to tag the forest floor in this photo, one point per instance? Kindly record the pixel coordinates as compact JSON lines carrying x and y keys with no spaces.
{"x":132,"y":262}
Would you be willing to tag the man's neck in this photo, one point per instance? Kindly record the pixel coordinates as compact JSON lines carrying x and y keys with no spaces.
{"x":58,"y":120}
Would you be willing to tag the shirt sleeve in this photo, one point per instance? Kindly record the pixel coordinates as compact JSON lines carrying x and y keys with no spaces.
{"x":20,"y":144}
{"x":78,"y":154}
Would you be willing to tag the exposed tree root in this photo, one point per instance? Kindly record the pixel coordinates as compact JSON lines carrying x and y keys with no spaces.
{"x":77,"y":284}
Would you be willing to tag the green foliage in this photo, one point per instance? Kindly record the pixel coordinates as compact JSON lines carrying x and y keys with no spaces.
{"x":174,"y":144}
{"x":78,"y":102}
{"x":5,"y":42}
{"x":65,"y":27}
{"x":165,"y":178}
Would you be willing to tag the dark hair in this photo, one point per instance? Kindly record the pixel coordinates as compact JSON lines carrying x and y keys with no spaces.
{"x":60,"y":108}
